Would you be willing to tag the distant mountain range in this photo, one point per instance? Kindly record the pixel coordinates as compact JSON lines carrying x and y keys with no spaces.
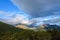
{"x":43,"y":26}
{"x":52,"y":26}
{"x":4,"y":26}
{"x":9,"y":32}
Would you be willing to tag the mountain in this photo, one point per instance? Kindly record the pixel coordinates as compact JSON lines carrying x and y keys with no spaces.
{"x":9,"y":32}
{"x":45,"y":27}
{"x":40,"y":27}
{"x":52,"y":26}
{"x":6,"y":27}
{"x":24,"y":26}
{"x":48,"y":26}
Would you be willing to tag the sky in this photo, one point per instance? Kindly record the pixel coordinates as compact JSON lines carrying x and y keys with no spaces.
{"x":30,"y":12}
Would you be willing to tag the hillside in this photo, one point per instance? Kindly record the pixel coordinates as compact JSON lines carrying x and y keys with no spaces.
{"x":6,"y":27}
{"x":9,"y":32}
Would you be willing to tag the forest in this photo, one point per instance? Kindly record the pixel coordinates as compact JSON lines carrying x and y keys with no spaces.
{"x":9,"y":32}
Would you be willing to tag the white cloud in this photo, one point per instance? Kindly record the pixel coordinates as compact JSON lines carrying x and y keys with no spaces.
{"x":47,"y":20}
{"x":13,"y":18}
{"x":3,"y":13}
{"x":20,"y":18}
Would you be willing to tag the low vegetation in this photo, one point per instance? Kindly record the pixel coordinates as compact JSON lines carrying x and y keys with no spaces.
{"x":8,"y":32}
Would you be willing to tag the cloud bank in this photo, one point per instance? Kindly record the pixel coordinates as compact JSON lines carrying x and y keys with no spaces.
{"x":38,"y":8}
{"x":16,"y":18}
{"x":41,"y":11}
{"x":13,"y":18}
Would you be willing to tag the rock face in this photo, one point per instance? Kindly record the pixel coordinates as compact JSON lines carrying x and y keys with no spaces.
{"x":22,"y":26}
{"x":42,"y":27}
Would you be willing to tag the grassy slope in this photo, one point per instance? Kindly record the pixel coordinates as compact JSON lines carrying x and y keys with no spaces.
{"x":6,"y":27}
{"x":9,"y":32}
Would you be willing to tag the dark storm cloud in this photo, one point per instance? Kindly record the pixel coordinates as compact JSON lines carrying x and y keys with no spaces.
{"x":38,"y":8}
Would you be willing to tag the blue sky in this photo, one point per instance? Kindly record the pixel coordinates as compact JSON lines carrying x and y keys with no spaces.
{"x":9,"y":12}
{"x":7,"y":5}
{"x":30,"y":11}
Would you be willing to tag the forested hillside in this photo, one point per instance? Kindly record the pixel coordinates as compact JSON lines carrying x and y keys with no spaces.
{"x":9,"y":32}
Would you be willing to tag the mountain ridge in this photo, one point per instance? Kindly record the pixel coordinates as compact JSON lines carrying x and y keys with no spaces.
{"x":21,"y":26}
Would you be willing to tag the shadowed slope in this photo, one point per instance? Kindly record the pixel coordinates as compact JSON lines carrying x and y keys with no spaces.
{"x":6,"y":27}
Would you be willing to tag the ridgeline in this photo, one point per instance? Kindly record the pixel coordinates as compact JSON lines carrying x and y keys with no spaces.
{"x":9,"y":32}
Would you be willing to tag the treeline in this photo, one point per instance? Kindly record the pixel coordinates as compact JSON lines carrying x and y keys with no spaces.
{"x":31,"y":35}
